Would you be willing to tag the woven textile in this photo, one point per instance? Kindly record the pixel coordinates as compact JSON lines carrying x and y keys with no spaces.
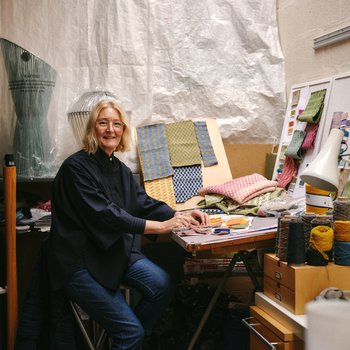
{"x":294,"y":148}
{"x":183,"y":145}
{"x":313,"y":110}
{"x":161,"y":189}
{"x":311,"y":132}
{"x":289,"y":171}
{"x":204,"y":142}
{"x":153,"y":151}
{"x":243,"y":188}
{"x":187,"y":181}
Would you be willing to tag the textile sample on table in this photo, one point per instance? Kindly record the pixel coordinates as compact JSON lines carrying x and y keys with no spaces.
{"x":311,"y":132}
{"x":243,"y":188}
{"x":153,"y":151}
{"x":183,"y":145}
{"x":314,"y":108}
{"x":204,"y":142}
{"x":294,"y":148}
{"x":187,"y":181}
{"x":161,"y":189}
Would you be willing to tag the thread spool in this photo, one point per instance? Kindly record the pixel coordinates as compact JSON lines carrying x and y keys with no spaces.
{"x":318,"y":201}
{"x":342,"y":253}
{"x":296,"y":243}
{"x":321,"y":244}
{"x":341,"y":231}
{"x":283,"y":237}
{"x":307,"y":219}
{"x":341,"y":209}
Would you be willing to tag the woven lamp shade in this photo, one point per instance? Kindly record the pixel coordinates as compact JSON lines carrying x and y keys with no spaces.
{"x":79,"y":112}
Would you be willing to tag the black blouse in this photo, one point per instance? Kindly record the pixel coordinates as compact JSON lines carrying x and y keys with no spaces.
{"x":97,"y":208}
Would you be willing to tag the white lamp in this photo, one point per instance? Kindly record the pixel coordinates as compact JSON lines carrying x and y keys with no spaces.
{"x":322,"y":172}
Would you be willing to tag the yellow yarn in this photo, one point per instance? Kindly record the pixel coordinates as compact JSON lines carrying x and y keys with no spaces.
{"x":309,"y":207}
{"x":321,"y":239}
{"x":341,"y":230}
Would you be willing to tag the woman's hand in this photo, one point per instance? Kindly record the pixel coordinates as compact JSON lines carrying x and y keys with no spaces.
{"x":185,"y":219}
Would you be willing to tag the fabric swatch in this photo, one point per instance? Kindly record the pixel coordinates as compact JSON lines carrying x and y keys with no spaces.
{"x":161,"y":189}
{"x":314,"y":108}
{"x":294,"y":149}
{"x":204,"y":142}
{"x":243,"y":188}
{"x":183,"y":145}
{"x":311,"y":132}
{"x":187,"y":181}
{"x":154,"y":151}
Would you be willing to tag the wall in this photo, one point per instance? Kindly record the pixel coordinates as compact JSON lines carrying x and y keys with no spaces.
{"x":302,"y":21}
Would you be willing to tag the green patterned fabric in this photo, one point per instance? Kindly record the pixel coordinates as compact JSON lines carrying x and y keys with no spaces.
{"x":294,"y":149}
{"x":313,"y":110}
{"x":183,"y":145}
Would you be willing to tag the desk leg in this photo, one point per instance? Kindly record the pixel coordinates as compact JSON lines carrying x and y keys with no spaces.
{"x":243,"y":256}
{"x":213,"y":300}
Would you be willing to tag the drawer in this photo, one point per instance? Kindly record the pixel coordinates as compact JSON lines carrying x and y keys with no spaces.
{"x":283,"y":295}
{"x":267,"y":333}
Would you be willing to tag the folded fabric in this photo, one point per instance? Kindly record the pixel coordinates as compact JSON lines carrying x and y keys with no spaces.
{"x":243,"y":188}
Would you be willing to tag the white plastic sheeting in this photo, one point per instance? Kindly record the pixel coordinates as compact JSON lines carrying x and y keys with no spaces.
{"x":165,"y":60}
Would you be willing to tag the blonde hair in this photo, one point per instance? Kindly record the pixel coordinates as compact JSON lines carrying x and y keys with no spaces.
{"x":90,"y":144}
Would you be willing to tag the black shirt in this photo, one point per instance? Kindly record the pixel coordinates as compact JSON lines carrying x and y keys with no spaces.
{"x":97,"y":208}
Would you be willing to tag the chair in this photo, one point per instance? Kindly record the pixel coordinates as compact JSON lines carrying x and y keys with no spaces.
{"x":96,"y":337}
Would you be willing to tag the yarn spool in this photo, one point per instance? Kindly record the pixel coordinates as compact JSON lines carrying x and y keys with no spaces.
{"x":307,"y":219}
{"x":283,"y":237}
{"x":318,"y":201}
{"x":320,"y":246}
{"x":341,"y":249}
{"x":296,"y":243}
{"x":341,"y":209}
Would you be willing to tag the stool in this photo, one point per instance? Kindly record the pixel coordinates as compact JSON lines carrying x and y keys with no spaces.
{"x":99,"y":335}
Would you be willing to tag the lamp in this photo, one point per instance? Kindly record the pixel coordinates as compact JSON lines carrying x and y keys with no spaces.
{"x":322,"y":172}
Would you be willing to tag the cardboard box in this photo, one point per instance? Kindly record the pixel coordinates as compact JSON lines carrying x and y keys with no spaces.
{"x":294,"y":286}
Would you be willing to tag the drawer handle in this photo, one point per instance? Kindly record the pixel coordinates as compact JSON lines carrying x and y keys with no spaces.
{"x":278,"y":296}
{"x":250,"y":326}
{"x":278,"y":275}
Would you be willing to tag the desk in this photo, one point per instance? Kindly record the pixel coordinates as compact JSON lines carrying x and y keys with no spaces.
{"x":262,"y":234}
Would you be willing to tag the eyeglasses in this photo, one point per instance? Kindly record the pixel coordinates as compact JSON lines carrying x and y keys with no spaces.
{"x":103,"y":124}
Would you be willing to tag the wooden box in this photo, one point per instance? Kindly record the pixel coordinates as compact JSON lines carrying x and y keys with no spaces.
{"x":294,"y":286}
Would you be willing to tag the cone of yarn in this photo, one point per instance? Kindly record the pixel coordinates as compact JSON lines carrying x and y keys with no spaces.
{"x":296,"y":245}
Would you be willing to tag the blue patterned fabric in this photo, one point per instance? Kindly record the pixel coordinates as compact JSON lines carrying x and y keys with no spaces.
{"x":187,"y":181}
{"x":204,"y":142}
{"x":154,"y":151}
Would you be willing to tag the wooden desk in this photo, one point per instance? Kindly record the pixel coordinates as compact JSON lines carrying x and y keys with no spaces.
{"x":258,"y":237}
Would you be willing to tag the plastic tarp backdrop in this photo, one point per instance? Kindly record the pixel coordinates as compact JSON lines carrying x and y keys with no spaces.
{"x":165,"y":60}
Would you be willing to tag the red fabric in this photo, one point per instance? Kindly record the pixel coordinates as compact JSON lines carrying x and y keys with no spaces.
{"x":311,"y":131}
{"x":289,"y":170}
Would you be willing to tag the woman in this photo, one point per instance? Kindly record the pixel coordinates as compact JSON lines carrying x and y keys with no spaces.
{"x":97,"y":209}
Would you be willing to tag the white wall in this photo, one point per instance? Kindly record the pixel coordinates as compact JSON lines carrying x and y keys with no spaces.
{"x":301,"y":21}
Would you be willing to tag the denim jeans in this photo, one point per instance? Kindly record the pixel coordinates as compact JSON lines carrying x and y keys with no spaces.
{"x":125,"y":326}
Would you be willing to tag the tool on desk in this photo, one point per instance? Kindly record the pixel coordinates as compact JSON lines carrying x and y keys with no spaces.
{"x":221,"y":231}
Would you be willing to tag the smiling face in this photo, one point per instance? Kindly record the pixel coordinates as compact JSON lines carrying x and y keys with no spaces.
{"x":109,"y":129}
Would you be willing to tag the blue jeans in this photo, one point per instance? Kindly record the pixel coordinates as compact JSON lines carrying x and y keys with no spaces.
{"x":125,"y":326}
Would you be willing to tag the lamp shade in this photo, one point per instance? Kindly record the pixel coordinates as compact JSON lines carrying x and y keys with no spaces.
{"x":322,"y":172}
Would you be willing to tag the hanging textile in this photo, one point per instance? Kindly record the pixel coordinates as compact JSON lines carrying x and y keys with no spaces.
{"x":153,"y":151}
{"x":161,"y":189}
{"x":187,"y":181}
{"x":183,"y":145}
{"x":294,"y":148}
{"x":204,"y":142}
{"x":314,"y":108}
